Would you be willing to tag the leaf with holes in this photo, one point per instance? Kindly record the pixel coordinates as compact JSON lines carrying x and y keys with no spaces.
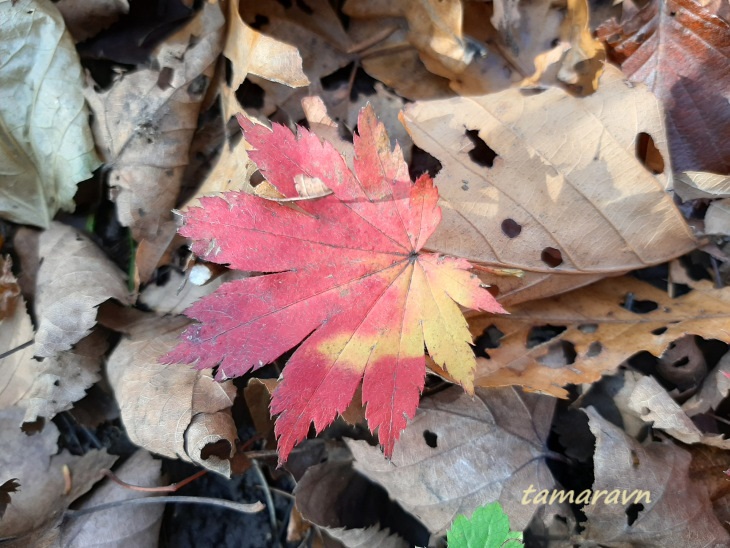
{"x":346,"y":273}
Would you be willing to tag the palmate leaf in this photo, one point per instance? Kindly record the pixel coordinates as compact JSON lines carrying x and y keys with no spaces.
{"x":346,"y":275}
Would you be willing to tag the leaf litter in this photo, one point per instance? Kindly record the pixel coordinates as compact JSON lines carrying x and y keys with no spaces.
{"x":566,"y":182}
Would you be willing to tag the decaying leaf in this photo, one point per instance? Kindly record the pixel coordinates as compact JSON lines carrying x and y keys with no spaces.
{"x":170,"y":410}
{"x":43,"y":495}
{"x":678,"y":512}
{"x":714,"y":389}
{"x":137,"y":526}
{"x":563,"y":176}
{"x":74,"y":278}
{"x":347,"y":267}
{"x":453,"y":431}
{"x":653,"y":46}
{"x":591,"y":332}
{"x":153,"y":113}
{"x":690,"y":185}
{"x":86,"y":19}
{"x":46,"y":146}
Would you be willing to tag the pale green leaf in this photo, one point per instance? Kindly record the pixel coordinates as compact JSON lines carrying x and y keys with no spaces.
{"x":46,"y":146}
{"x":488,"y":527}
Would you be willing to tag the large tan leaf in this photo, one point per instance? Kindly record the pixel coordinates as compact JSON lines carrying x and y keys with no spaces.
{"x":46,"y":146}
{"x":43,"y":495}
{"x":565,"y":193}
{"x":74,"y":278}
{"x":172,"y":410}
{"x":145,"y":122}
{"x":453,"y":431}
{"x":600,"y":333}
{"x":679,"y":512}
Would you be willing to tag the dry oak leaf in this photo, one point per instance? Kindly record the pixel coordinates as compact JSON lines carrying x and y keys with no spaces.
{"x":594,"y":332}
{"x":462,"y":452}
{"x":74,"y":278}
{"x":679,"y":512}
{"x":347,"y":274}
{"x":565,"y":192}
{"x":681,"y":50}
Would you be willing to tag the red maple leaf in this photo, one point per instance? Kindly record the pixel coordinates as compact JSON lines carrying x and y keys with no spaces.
{"x":347,"y":276}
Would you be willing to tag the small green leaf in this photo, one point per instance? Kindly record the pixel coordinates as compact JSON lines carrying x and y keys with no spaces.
{"x":487,"y":528}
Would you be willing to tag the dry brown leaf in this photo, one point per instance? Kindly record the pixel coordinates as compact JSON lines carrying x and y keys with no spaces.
{"x":320,"y":494}
{"x":600,"y":333}
{"x":74,"y":278}
{"x":258,"y":398}
{"x":172,"y":410}
{"x":708,"y":469}
{"x":577,"y":61}
{"x":714,"y":389}
{"x":654,"y":45}
{"x":145,"y":122}
{"x":43,"y":495}
{"x":690,"y":185}
{"x":133,"y":526}
{"x":565,"y":192}
{"x":85,"y":19}
{"x":452,"y":431}
{"x":316,"y":31}
{"x":680,"y":510}
{"x":154,"y":252}
{"x":650,"y":401}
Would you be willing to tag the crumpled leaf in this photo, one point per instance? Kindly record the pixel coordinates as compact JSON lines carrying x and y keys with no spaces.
{"x":46,"y":146}
{"x":565,"y":176}
{"x":170,"y":410}
{"x":654,"y":405}
{"x":43,"y":495}
{"x":600,"y":333}
{"x":137,"y":526}
{"x":153,"y":113}
{"x":679,"y":512}
{"x":715,"y":388}
{"x":348,"y":268}
{"x":454,"y":431}
{"x":74,"y":278}
{"x":653,"y":46}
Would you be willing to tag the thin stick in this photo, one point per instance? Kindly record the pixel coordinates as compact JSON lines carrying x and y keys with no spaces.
{"x":231,"y":505}
{"x":161,"y":489}
{"x":269,"y":502}
{"x":371,"y":41}
{"x":16,"y":349}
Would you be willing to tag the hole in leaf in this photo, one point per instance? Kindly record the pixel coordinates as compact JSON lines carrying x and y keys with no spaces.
{"x":635,"y":461}
{"x":30,"y":428}
{"x":648,"y":154}
{"x":511,"y":228}
{"x":659,"y":331}
{"x":543,"y":333}
{"x":493,"y":290}
{"x":56,"y":383}
{"x":430,"y":438}
{"x":165,"y":78}
{"x":637,"y":306}
{"x":551,"y":257}
{"x":531,"y":92}
{"x":220,"y":449}
{"x":632,"y":512}
{"x":588,"y":328}
{"x":559,"y":354}
{"x":198,"y":85}
{"x":490,"y":338}
{"x":259,"y":22}
{"x":423,"y":162}
{"x":681,"y":362}
{"x":481,"y":154}
{"x":594,"y":349}
{"x":250,"y":95}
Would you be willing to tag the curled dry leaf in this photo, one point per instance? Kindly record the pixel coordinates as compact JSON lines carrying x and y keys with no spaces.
{"x":453,"y":431}
{"x":714,"y":389}
{"x":661,"y":469}
{"x":133,"y":526}
{"x":690,"y":185}
{"x":653,"y":46}
{"x":44,"y":494}
{"x":563,"y":191}
{"x":74,"y":278}
{"x":593,"y":332}
{"x":654,"y":405}
{"x":171,"y":410}
{"x":46,"y":146}
{"x":319,"y":497}
{"x":154,"y":113}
